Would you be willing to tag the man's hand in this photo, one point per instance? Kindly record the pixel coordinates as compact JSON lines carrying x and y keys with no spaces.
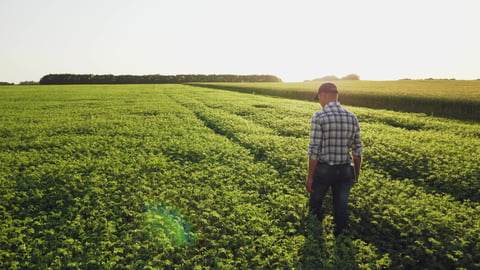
{"x":357,"y":162}
{"x":308,"y":184}
{"x":312,"y":164}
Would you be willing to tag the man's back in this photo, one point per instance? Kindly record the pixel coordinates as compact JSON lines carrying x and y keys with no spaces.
{"x":335,"y":132}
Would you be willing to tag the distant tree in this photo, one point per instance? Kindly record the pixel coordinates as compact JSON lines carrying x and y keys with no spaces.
{"x":28,"y":83}
{"x":351,"y":77}
{"x":327,"y":78}
{"x":6,"y":83}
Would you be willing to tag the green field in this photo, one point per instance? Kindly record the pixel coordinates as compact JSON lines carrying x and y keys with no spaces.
{"x":185,"y":177}
{"x":445,"y":98}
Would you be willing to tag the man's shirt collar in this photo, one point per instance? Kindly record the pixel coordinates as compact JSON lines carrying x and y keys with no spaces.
{"x":332,"y":104}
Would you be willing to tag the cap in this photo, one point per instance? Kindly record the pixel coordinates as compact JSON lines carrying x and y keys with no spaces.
{"x":328,"y":88}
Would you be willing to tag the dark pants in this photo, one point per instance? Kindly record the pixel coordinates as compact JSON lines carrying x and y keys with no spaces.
{"x":339,"y":177}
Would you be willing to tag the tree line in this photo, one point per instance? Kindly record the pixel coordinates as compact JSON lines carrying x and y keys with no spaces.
{"x":152,"y":79}
{"x":20,"y":83}
{"x":349,"y":77}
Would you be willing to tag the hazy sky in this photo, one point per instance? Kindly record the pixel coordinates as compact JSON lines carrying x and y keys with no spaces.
{"x":295,"y":40}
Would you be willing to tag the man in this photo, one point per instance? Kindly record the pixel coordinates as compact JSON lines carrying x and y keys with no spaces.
{"x":334,"y":143}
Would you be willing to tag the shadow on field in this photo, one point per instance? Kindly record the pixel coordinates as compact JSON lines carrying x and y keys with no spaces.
{"x":322,"y":249}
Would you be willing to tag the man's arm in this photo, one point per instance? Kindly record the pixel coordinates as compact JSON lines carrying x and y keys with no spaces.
{"x":357,"y":149}
{"x":357,"y":162}
{"x":312,"y":164}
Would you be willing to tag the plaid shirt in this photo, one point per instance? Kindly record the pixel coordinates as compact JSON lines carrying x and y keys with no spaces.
{"x":335,"y":133}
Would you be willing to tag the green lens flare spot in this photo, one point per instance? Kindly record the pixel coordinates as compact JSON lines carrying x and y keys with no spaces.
{"x":166,"y":225}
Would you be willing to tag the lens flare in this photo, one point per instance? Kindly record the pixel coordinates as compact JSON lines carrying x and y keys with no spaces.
{"x":166,"y":225}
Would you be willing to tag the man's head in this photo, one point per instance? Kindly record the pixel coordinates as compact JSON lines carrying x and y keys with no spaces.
{"x":327,"y":92}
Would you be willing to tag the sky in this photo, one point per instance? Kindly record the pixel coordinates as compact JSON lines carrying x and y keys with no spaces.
{"x":295,"y":40}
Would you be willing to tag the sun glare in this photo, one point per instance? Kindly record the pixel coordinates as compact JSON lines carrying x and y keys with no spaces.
{"x":166,"y":225}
